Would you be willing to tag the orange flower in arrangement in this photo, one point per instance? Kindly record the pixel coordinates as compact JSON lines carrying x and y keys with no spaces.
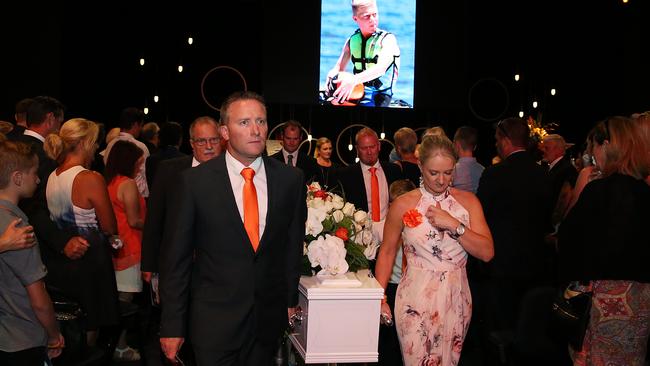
{"x":412,"y":218}
{"x":320,"y":194}
{"x":342,"y":233}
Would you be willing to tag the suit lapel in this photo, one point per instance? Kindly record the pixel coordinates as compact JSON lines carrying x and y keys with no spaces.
{"x":272,"y":181}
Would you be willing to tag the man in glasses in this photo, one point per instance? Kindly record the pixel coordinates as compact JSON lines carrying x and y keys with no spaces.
{"x":206,"y":144}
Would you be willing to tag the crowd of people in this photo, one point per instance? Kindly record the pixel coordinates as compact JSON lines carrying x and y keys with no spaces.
{"x":216,"y":237}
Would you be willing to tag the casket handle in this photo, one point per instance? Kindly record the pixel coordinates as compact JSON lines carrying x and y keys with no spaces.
{"x":296,"y":318}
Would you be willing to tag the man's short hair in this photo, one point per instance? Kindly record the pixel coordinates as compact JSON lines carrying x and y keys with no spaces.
{"x":171,"y":134}
{"x":237,"y":96}
{"x":40,"y":107}
{"x":131,"y":116}
{"x":515,"y":129}
{"x":149,"y":130}
{"x":200,"y":121}
{"x":365,"y":132}
{"x":467,"y":137}
{"x":406,"y":140}
{"x":557,"y":138}
{"x":15,"y":156}
{"x":292,"y":125}
{"x":21,"y":109}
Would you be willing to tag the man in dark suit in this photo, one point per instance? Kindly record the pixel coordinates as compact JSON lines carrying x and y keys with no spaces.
{"x":21,"y":119}
{"x":516,"y":202}
{"x":44,"y":116}
{"x":357,"y":183}
{"x":356,"y":178}
{"x":562,"y":174}
{"x":206,"y":144}
{"x":170,"y":137}
{"x":290,"y":155}
{"x":231,"y":261}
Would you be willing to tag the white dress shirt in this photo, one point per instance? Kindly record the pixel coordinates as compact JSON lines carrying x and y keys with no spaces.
{"x":34,"y":134}
{"x":383,"y":188}
{"x":286,"y":154}
{"x":234,"y":168}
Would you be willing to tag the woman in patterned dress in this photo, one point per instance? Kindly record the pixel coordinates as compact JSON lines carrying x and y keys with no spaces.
{"x":440,"y":226}
{"x":603,"y":243}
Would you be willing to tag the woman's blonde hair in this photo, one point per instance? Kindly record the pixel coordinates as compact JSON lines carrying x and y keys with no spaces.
{"x":625,"y":147}
{"x":319,"y":143}
{"x":435,"y":145}
{"x":72,"y":133}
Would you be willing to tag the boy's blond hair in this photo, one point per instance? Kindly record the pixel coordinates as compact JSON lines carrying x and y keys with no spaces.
{"x":399,"y":187}
{"x":15,"y":156}
{"x":356,"y":4}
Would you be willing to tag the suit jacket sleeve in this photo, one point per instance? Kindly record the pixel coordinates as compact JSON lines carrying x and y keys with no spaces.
{"x":296,"y":239}
{"x":176,"y":261}
{"x":154,"y":223}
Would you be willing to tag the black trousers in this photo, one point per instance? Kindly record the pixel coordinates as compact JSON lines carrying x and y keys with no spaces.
{"x":252,"y":352}
{"x":29,"y":357}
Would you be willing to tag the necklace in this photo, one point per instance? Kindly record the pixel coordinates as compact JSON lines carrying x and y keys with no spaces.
{"x":441,"y":197}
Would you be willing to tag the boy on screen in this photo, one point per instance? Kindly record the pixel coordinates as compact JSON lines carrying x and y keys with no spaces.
{"x":374,"y":54}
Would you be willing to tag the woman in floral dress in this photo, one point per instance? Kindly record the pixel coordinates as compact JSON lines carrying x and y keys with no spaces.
{"x":439,"y":225}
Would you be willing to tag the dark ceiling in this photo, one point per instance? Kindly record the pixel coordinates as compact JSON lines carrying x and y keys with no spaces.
{"x":591,"y":51}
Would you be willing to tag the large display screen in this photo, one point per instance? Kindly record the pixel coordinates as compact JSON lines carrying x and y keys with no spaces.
{"x":367,"y":52}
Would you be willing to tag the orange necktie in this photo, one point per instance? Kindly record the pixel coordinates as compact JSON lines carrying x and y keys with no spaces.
{"x":374,"y":195}
{"x":251,"y":212}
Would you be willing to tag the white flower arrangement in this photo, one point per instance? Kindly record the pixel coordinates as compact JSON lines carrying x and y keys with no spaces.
{"x":338,"y":237}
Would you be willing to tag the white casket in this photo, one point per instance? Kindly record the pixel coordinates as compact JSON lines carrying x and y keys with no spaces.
{"x":340,"y":319}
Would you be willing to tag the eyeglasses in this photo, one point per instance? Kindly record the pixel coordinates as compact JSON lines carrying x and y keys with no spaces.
{"x":501,"y":128}
{"x":202,"y":142}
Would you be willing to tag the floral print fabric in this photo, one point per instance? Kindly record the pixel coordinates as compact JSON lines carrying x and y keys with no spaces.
{"x":433,"y":304}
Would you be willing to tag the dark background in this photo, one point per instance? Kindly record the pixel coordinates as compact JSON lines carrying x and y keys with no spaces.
{"x":467,"y":52}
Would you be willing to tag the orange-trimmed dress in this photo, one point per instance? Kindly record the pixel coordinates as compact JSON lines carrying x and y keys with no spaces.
{"x":126,"y":260}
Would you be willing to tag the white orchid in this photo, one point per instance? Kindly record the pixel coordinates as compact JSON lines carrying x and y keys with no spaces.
{"x":315,"y":217}
{"x":371,"y":250}
{"x":329,"y":253}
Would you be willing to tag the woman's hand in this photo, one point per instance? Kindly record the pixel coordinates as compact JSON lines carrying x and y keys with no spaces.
{"x":385,"y":311}
{"x":14,"y":237}
{"x":441,"y":219}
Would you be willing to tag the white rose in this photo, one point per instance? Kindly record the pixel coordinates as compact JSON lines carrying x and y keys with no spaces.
{"x":338,"y":215}
{"x":360,"y":217}
{"x":348,"y":209}
{"x":314,"y":224}
{"x":304,"y":248}
{"x":337,"y":201}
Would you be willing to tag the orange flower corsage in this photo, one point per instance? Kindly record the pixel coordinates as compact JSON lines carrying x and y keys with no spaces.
{"x":412,"y":218}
